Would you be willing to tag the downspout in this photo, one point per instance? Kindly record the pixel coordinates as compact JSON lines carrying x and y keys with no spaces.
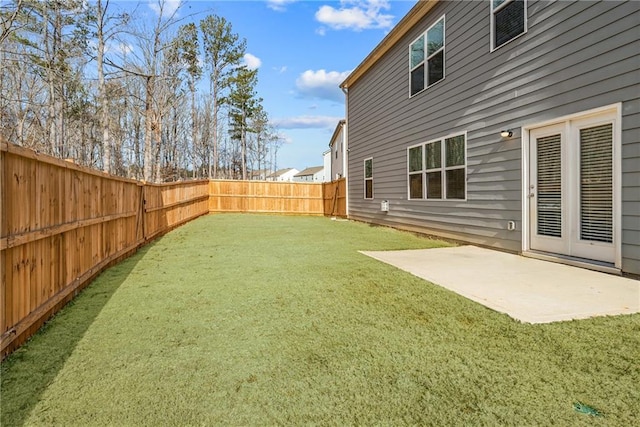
{"x":345,"y":153}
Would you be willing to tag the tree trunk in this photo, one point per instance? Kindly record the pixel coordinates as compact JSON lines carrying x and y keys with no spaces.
{"x":194,"y":124}
{"x":148,"y":131}
{"x":243,"y":148}
{"x":214,"y":94}
{"x":102,"y":94}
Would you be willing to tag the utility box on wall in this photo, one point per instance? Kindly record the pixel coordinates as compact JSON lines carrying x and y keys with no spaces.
{"x":384,"y":206}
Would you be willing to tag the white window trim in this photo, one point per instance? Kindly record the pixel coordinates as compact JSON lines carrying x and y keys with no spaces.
{"x":492,"y":30}
{"x":364,"y":181}
{"x":443,"y":168}
{"x":425,"y":59}
{"x":616,"y":110}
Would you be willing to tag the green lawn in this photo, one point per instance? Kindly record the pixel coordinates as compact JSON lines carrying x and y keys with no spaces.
{"x":265,"y":320}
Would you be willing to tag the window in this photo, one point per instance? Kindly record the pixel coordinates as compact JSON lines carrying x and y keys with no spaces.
{"x":437,"y":170}
{"x":508,"y":21}
{"x":415,"y":173}
{"x":368,"y":179}
{"x":426,"y":58}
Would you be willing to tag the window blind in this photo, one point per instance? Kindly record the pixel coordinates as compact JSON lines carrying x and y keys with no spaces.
{"x":596,"y":183}
{"x":549,"y":170}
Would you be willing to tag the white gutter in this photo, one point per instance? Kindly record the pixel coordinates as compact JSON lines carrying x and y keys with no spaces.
{"x":345,"y":153}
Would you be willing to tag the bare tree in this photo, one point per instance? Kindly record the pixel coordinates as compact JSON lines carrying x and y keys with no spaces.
{"x":9,"y":18}
{"x":137,"y":112}
{"x":107,"y":27}
{"x":45,"y":37}
{"x":187,"y":46}
{"x":147,"y":67}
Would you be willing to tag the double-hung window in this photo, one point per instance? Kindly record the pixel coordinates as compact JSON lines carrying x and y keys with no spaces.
{"x":437,"y":169}
{"x":426,"y":58}
{"x":368,"y":178}
{"x":508,"y":21}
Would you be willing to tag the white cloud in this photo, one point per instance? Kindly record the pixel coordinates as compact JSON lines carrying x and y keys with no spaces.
{"x":279,"y":5}
{"x":166,"y":7}
{"x":321,"y":84}
{"x":283,"y":137}
{"x":307,"y":122}
{"x":355,"y":15}
{"x":118,"y":47}
{"x":281,"y":70}
{"x":251,"y":61}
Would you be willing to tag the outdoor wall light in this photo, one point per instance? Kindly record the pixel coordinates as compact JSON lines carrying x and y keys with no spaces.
{"x":506,"y":133}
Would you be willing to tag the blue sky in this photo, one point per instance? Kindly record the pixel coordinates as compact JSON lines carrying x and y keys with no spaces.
{"x":304,"y":49}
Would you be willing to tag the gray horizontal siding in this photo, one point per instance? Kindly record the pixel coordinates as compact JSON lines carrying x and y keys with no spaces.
{"x":631,"y":184}
{"x":574,"y":57}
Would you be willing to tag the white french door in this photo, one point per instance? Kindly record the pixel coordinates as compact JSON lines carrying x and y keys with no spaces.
{"x":571,"y":188}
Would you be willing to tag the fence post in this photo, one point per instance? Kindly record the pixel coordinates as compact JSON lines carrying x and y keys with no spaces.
{"x":4,"y":231}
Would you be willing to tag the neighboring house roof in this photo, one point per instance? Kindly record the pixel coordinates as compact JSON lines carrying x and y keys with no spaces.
{"x":279,"y":172}
{"x":337,"y":131}
{"x":260,"y":172}
{"x":310,"y":171}
{"x":416,"y":13}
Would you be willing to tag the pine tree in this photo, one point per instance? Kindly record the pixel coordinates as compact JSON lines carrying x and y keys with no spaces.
{"x":244,"y":105}
{"x":223,"y":51}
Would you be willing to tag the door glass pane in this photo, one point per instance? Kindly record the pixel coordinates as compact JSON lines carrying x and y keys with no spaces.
{"x":596,"y":184}
{"x":549,"y":193}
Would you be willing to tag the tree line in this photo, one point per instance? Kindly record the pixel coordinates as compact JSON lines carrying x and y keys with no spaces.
{"x":158,"y":101}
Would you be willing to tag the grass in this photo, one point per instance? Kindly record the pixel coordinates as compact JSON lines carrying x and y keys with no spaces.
{"x":263,"y":320}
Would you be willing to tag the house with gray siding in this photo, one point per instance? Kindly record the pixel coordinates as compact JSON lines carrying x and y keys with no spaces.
{"x":510,"y":124}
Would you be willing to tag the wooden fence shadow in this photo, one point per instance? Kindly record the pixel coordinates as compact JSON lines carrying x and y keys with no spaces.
{"x":52,"y":349}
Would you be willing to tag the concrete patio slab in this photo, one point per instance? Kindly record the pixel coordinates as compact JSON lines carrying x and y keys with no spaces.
{"x":526,"y":289}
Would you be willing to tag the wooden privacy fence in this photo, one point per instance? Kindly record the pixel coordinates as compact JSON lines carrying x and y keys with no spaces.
{"x":62,"y":224}
{"x":289,"y":198}
{"x":168,"y":205}
{"x":263,"y":197}
{"x":335,"y":198}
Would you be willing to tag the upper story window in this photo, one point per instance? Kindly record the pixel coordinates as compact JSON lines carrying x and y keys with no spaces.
{"x":508,"y":21}
{"x":426,"y":58}
{"x":438,"y":169}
